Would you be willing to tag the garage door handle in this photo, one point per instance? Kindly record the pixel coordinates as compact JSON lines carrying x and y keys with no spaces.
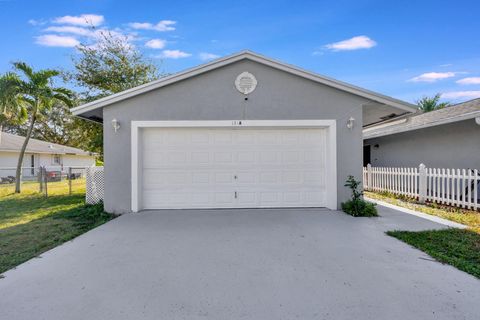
{"x":236,"y":195}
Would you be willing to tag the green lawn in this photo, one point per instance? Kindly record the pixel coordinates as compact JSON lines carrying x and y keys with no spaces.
{"x":31,"y":224}
{"x":53,"y":188}
{"x":459,"y":248}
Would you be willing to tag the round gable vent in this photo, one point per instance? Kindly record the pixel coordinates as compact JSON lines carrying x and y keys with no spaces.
{"x":246,"y":82}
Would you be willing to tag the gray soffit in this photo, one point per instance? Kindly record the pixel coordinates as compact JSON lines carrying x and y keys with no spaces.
{"x":91,"y":109}
{"x":13,"y":143}
{"x":462,"y":111}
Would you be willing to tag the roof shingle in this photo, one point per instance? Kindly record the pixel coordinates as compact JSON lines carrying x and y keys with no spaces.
{"x":462,"y":111}
{"x":11,"y":142}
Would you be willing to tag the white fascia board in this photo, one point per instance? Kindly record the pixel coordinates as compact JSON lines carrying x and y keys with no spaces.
{"x":385,"y":125}
{"x":231,"y":59}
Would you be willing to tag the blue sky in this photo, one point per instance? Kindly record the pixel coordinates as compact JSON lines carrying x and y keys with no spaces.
{"x":405,"y":49}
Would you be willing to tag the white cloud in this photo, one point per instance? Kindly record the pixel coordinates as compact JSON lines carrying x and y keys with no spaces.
{"x":81,"y":20}
{"x":469,"y":80}
{"x":433,"y":76}
{"x":156,"y":44}
{"x":208,"y":56}
{"x":461,"y":94}
{"x":52,"y":40}
{"x":70,"y":29}
{"x":164,"y":25}
{"x":89,"y":33}
{"x":34,"y":22}
{"x":173,"y":54}
{"x":355,"y":43}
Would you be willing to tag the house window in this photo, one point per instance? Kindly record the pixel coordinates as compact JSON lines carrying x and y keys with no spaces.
{"x":57,"y":159}
{"x":32,"y":164}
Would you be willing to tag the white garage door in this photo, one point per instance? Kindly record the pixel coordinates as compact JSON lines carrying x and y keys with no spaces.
{"x":232,"y":168}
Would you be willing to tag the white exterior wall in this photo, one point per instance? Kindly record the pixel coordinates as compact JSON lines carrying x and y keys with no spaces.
{"x":8,"y":163}
{"x":78,"y":161}
{"x":454,"y":145}
{"x":9,"y":160}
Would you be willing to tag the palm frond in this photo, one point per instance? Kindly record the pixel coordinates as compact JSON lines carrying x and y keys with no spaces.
{"x":25,"y":68}
{"x":66,"y":92}
{"x":10,"y":85}
{"x":43,"y":77}
{"x":65,"y":99}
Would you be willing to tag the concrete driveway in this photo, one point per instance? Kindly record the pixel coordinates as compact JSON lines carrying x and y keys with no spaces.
{"x":241,"y":264}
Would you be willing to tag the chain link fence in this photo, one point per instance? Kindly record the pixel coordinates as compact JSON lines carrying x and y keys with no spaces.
{"x":47,"y":181}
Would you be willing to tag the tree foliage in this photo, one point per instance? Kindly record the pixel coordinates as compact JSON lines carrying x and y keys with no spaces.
{"x":28,"y":93}
{"x":58,"y":125}
{"x":110,"y":66}
{"x":12,"y":110}
{"x":427,"y":104}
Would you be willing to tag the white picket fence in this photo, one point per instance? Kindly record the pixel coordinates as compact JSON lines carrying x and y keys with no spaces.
{"x":455,"y":187}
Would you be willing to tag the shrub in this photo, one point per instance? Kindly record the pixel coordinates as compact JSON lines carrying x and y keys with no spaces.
{"x":358,"y":207}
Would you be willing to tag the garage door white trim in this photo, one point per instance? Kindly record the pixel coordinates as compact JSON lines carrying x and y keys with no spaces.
{"x":331,"y":161}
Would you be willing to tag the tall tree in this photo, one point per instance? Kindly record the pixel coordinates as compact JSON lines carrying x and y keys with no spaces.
{"x":111,"y":65}
{"x":107,"y":67}
{"x":34,"y":92}
{"x":12,"y":111}
{"x":427,"y":104}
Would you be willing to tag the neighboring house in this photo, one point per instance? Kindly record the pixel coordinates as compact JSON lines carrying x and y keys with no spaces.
{"x":444,"y":138}
{"x":243,"y":131}
{"x":54,"y":157}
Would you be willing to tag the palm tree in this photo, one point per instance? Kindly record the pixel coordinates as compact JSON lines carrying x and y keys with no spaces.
{"x":427,"y":104}
{"x":29,"y":93}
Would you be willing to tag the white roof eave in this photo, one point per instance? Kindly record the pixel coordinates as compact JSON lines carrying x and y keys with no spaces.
{"x":386,"y":132}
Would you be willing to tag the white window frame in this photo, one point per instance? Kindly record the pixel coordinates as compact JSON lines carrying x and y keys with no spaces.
{"x":331,"y":161}
{"x":59,"y":159}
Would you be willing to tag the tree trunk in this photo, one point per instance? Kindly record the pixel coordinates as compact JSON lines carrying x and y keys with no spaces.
{"x":22,"y":153}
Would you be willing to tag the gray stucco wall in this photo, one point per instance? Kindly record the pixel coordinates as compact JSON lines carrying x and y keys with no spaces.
{"x":455,"y":145}
{"x":212,"y":96}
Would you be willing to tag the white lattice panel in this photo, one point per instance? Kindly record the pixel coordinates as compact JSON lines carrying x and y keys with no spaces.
{"x":95,"y":185}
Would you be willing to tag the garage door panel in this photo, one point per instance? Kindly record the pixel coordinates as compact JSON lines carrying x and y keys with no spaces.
{"x":291,"y":157}
{"x":246,"y":156}
{"x":292,"y":197}
{"x":246,"y":177}
{"x":200,"y":157}
{"x":224,"y":198}
{"x":220,"y":157}
{"x":200,"y":178}
{"x":269,"y":157}
{"x":223,"y":168}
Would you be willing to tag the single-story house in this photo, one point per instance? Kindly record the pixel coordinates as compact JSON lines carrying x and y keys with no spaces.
{"x":52,"y":156}
{"x":243,"y":131}
{"x":444,"y":138}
